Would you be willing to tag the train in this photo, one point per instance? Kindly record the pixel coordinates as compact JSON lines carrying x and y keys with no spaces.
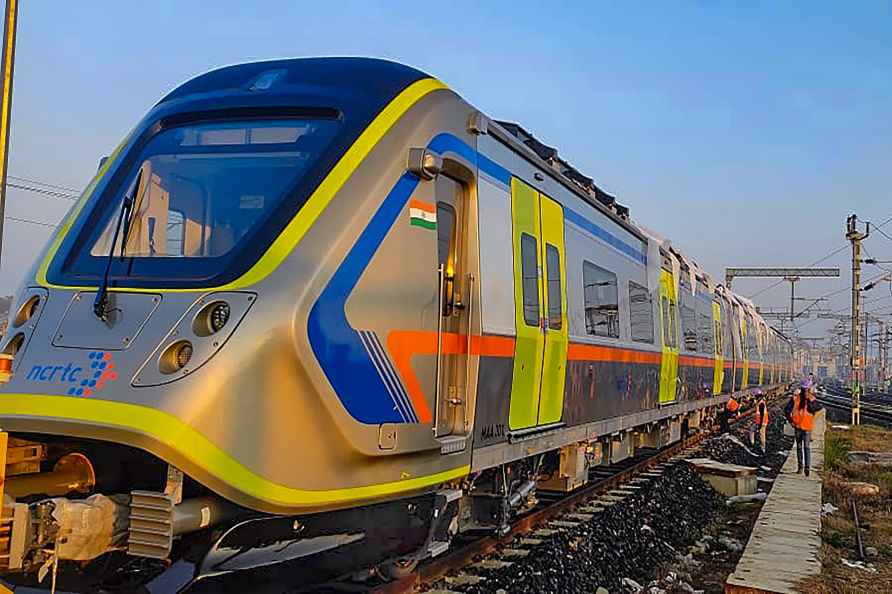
{"x":321,"y":314}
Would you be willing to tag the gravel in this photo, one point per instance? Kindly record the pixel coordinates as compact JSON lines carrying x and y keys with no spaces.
{"x":621,"y":548}
{"x":630,"y":547}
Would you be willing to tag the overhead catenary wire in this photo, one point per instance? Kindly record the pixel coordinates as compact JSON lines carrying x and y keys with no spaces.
{"x":45,"y":192}
{"x":837,"y":292}
{"x":815,"y":263}
{"x":827,"y":257}
{"x":31,"y":222}
{"x":43,"y":188}
{"x":30,"y":180}
{"x":883,"y":233}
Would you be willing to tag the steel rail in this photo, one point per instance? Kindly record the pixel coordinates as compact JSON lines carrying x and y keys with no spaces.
{"x":434,"y":570}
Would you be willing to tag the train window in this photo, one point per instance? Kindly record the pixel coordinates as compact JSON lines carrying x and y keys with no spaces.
{"x":670,"y":332}
{"x":553,"y":275}
{"x":445,"y":235}
{"x":752,"y":347}
{"x":202,"y":191}
{"x":601,"y":301}
{"x":719,"y":339}
{"x":688,"y":314}
{"x":705,"y":331}
{"x":727,"y":339}
{"x":641,"y":313}
{"x":529,"y":264}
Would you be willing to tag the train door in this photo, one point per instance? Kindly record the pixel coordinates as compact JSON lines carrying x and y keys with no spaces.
{"x":540,"y":352}
{"x":736,"y":337}
{"x":456,"y":293}
{"x":745,"y":348}
{"x":554,"y":364}
{"x":669,"y":325}
{"x":760,"y":346}
{"x":729,"y":347}
{"x":718,"y":372}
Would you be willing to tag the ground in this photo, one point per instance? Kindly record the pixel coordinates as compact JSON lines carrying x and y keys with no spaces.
{"x":715,"y":555}
{"x":875,"y":514}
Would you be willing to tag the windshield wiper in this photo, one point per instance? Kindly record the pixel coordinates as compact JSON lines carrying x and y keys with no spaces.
{"x":125,"y":217}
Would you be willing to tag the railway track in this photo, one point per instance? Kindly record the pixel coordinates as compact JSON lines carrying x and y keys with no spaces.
{"x":573,"y":508}
{"x":870,"y":409}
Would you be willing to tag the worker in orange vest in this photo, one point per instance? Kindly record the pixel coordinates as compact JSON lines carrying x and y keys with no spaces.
{"x":732,"y":408}
{"x":800,"y":412}
{"x":760,"y":423}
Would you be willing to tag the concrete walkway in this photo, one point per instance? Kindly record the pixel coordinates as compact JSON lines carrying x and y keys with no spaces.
{"x":785,"y":544}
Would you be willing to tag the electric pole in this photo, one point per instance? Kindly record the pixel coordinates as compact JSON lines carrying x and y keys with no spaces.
{"x":9,"y":27}
{"x":792,"y":280}
{"x":881,"y":373}
{"x":856,"y":358}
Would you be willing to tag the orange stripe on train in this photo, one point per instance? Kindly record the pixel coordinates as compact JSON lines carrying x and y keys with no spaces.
{"x":590,"y":352}
{"x":405,"y":344}
{"x":690,"y":361}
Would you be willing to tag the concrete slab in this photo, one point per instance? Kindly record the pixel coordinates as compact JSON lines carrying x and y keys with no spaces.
{"x":784,"y":546}
{"x":610,"y":498}
{"x":464,"y":579}
{"x":580,"y":517}
{"x":491,"y":564}
{"x":514,"y":553}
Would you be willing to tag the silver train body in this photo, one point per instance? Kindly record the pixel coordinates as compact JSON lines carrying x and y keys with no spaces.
{"x":344,"y":310}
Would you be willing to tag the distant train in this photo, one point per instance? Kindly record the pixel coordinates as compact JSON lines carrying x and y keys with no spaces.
{"x":322,"y":314}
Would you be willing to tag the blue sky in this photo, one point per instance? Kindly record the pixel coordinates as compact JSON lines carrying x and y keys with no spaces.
{"x":746,"y":132}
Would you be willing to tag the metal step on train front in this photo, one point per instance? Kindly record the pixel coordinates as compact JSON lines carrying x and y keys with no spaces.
{"x":151,"y":525}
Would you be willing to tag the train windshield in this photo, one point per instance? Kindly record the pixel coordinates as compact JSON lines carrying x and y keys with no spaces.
{"x":200,"y":192}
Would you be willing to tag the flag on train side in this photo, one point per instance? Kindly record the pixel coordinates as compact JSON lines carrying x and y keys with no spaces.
{"x":422,"y":214}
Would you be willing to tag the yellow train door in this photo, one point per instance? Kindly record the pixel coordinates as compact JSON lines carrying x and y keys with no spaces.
{"x":540,"y":297}
{"x":668,"y":324}
{"x":718,"y":374}
{"x":554,"y":364}
{"x":745,"y":344}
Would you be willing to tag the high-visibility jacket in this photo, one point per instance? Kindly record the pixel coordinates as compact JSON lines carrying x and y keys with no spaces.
{"x":801,"y":417}
{"x":761,"y":420}
{"x":732,"y":405}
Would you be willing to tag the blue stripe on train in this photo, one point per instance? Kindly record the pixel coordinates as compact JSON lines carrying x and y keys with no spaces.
{"x":341,"y":352}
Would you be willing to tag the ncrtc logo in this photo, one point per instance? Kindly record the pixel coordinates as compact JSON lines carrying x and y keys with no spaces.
{"x":80,"y":381}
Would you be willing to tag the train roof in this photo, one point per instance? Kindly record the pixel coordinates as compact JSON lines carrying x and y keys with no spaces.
{"x":359,"y":88}
{"x":550,"y":155}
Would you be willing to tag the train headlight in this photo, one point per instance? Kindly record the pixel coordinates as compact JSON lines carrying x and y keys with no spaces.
{"x":219,"y":316}
{"x":211,"y":318}
{"x":183,"y":354}
{"x":176,"y":357}
{"x":14,"y":345}
{"x":26,"y":311}
{"x":197,"y":336}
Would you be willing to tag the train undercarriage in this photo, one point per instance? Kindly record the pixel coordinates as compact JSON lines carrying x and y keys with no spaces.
{"x":85,"y":515}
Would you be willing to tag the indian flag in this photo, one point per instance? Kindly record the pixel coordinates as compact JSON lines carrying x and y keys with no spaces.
{"x":422,"y":214}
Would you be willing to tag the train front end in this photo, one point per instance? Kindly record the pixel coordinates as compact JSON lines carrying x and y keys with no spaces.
{"x":158,"y":403}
